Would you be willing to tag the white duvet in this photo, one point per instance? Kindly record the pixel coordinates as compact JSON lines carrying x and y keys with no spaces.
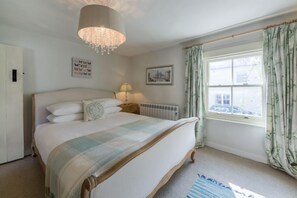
{"x":140,"y":176}
{"x":49,"y":135}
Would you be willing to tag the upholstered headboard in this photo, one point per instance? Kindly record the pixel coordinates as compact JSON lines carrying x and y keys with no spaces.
{"x":41,"y":100}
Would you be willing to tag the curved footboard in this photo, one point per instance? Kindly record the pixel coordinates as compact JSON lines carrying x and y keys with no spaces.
{"x":185,"y":126}
{"x":168,"y":175}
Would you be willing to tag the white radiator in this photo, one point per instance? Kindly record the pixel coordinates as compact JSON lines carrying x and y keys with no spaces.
{"x":163,"y":111}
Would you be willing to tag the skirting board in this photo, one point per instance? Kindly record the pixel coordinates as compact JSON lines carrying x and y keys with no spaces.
{"x":28,"y":152}
{"x":240,"y":153}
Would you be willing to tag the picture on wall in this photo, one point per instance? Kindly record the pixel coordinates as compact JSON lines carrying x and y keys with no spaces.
{"x":161,"y":75}
{"x":81,"y":68}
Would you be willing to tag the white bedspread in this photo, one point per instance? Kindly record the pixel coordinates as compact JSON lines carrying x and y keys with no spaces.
{"x":48,"y":136}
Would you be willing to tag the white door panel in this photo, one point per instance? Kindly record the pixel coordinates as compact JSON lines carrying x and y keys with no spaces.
{"x":11,"y":104}
{"x":3,"y":150}
{"x":14,"y":104}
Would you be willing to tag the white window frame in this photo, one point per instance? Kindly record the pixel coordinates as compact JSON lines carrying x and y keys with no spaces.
{"x":244,"y":119}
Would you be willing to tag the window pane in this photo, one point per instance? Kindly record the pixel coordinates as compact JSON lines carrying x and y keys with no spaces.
{"x":219,"y":100}
{"x":220,"y":72}
{"x":247,"y":70}
{"x":226,"y":99}
{"x":247,"y":101}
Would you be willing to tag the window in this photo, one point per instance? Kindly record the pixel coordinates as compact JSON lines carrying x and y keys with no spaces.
{"x":222,"y":99}
{"x":218,"y":98}
{"x":226,"y":99}
{"x":235,"y":86}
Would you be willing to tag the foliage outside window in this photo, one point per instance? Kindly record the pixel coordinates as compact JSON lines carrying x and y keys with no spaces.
{"x":235,"y":87}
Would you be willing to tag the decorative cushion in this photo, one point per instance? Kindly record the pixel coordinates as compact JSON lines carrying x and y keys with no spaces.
{"x":65,"y":118}
{"x":65,"y":108}
{"x":93,"y":110}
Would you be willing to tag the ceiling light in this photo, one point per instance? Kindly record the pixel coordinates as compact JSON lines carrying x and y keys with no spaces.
{"x":101,"y":27}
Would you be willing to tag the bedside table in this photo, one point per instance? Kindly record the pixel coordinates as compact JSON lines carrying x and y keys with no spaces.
{"x":130,"y":108}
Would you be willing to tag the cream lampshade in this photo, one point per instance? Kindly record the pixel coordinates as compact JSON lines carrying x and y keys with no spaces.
{"x":126,"y":87}
{"x":101,"y":27}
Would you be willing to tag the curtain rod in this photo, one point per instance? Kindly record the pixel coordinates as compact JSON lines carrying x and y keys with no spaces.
{"x":241,"y":34}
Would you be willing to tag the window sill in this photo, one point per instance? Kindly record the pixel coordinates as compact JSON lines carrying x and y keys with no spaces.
{"x":249,"y":122}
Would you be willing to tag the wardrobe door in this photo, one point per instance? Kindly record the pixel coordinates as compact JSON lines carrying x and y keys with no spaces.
{"x":3,"y":150}
{"x":14,"y":103}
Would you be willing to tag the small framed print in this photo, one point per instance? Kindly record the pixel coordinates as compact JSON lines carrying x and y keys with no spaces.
{"x":161,"y":75}
{"x":81,"y":68}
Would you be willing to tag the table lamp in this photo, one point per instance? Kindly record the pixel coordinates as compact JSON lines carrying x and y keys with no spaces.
{"x":126,"y":87}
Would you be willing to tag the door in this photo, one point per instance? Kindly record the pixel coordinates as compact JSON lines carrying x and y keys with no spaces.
{"x":14,"y":103}
{"x":3,"y":150}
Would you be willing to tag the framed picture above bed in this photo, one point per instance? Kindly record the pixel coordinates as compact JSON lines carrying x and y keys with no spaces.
{"x":161,"y":75}
{"x":81,"y":68}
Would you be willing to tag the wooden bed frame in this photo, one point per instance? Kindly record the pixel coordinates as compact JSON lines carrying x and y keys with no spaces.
{"x":91,"y":182}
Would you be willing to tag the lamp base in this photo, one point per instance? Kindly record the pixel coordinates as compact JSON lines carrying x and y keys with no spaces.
{"x":126,"y":97}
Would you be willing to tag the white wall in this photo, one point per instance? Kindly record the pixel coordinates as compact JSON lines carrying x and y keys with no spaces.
{"x":47,"y":66}
{"x":240,"y":139}
{"x":169,"y":94}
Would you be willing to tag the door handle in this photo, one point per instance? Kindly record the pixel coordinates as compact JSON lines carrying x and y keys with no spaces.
{"x":14,"y":75}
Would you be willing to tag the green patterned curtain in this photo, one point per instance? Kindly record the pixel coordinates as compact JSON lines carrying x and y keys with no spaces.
{"x":195,"y":90}
{"x":280,"y":62}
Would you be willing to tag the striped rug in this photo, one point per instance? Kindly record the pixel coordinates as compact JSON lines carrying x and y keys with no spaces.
{"x":207,"y":187}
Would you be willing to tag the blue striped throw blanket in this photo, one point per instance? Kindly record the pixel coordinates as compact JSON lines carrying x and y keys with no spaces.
{"x":75,"y":160}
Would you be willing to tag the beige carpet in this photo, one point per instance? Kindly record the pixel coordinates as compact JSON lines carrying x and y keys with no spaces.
{"x":24,"y":178}
{"x":227,"y":168}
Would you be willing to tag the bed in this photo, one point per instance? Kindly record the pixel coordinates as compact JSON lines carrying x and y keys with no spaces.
{"x":139,"y":174}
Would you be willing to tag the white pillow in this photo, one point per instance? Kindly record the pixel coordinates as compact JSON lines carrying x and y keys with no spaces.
{"x":65,"y":118}
{"x":65,"y":108}
{"x":93,"y":110}
{"x":109,"y":102}
{"x":112,"y":110}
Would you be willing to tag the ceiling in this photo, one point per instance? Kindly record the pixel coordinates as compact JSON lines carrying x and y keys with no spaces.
{"x":150,"y":24}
